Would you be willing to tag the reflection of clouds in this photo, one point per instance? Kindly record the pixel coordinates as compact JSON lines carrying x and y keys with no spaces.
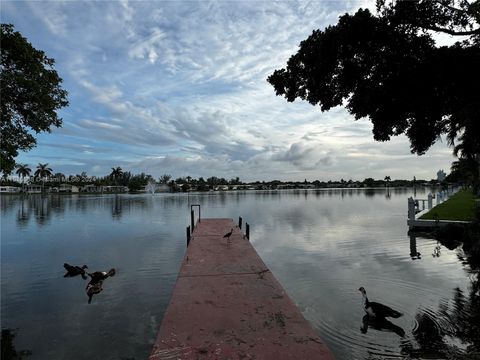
{"x":322,"y":245}
{"x":145,"y":244}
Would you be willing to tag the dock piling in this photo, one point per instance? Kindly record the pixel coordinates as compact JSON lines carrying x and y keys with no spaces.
{"x":188,"y":235}
{"x":247,"y":229}
{"x":239,"y":222}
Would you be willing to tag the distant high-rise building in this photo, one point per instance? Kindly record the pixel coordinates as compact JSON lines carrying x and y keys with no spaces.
{"x":441,"y":175}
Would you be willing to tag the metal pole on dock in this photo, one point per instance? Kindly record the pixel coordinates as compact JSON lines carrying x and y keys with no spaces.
{"x":192,"y":223}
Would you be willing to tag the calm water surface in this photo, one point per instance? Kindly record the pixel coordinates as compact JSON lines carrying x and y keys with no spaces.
{"x":321,"y":245}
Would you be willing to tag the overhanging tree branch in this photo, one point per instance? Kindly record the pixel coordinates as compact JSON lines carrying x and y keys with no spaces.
{"x":453,"y":32}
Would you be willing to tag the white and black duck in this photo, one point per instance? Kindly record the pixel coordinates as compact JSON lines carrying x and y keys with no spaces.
{"x":95,"y":286}
{"x":101,"y":275}
{"x":377,"y":310}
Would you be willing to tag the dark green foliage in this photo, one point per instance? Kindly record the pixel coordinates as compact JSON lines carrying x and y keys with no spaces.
{"x":165,"y":178}
{"x":387,"y":68}
{"x":8,"y":348}
{"x":138,"y":182}
{"x":31,"y":95}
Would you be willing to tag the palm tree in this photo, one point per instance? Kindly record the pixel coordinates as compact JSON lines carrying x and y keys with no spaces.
{"x":387,"y":180}
{"x":23,"y":170}
{"x":43,"y":171}
{"x":116,"y":173}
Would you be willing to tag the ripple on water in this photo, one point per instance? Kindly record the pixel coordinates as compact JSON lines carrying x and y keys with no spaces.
{"x":385,"y":339}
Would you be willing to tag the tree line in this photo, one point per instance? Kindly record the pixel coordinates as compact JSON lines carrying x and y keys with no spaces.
{"x":45,"y":176}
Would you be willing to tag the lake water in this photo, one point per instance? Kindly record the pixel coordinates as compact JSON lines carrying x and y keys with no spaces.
{"x":321,"y":245}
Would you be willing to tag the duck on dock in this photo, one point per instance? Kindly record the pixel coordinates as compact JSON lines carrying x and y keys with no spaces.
{"x":377,"y":310}
{"x":227,"y":235}
{"x":75,"y":270}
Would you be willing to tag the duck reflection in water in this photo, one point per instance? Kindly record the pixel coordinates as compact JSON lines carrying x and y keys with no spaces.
{"x":380,"y":324}
{"x":95,"y":286}
{"x":376,"y":314}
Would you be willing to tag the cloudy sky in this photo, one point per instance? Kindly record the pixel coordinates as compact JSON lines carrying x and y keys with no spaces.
{"x":180,"y":88}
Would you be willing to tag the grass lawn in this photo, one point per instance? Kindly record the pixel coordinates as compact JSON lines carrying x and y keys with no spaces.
{"x":459,"y":207}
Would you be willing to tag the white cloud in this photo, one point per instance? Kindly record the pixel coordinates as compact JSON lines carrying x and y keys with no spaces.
{"x":180,"y":87}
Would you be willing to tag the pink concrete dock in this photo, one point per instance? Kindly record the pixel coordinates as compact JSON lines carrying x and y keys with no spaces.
{"x":227,"y":305}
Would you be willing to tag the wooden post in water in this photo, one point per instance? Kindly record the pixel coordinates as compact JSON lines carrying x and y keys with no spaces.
{"x":247,"y":230}
{"x":240,"y":222}
{"x":188,"y":235}
{"x":411,"y":208}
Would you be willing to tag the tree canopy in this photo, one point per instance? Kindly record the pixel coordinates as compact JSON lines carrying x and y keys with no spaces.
{"x":31,"y":95}
{"x":386,"y":67}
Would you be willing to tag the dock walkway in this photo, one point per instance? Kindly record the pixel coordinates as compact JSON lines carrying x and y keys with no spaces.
{"x":227,"y":305}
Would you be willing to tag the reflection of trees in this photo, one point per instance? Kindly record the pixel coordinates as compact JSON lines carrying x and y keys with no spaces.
{"x":8,"y":348}
{"x":388,"y":196}
{"x":41,"y":206}
{"x":369,"y":192}
{"x":453,"y":330}
{"x":23,"y":213}
{"x":117,"y":207}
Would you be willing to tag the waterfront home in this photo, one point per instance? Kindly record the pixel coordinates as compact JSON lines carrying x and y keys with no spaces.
{"x":90,"y":188}
{"x":10,"y":189}
{"x":67,"y":188}
{"x":33,"y":189}
{"x":162,"y":188}
{"x":114,"y":189}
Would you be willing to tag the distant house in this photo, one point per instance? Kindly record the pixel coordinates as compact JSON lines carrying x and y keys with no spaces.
{"x":33,"y":189}
{"x":10,"y":189}
{"x":91,"y":188}
{"x":114,"y":189}
{"x":307,"y":186}
{"x":67,"y":188}
{"x":162,"y":188}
